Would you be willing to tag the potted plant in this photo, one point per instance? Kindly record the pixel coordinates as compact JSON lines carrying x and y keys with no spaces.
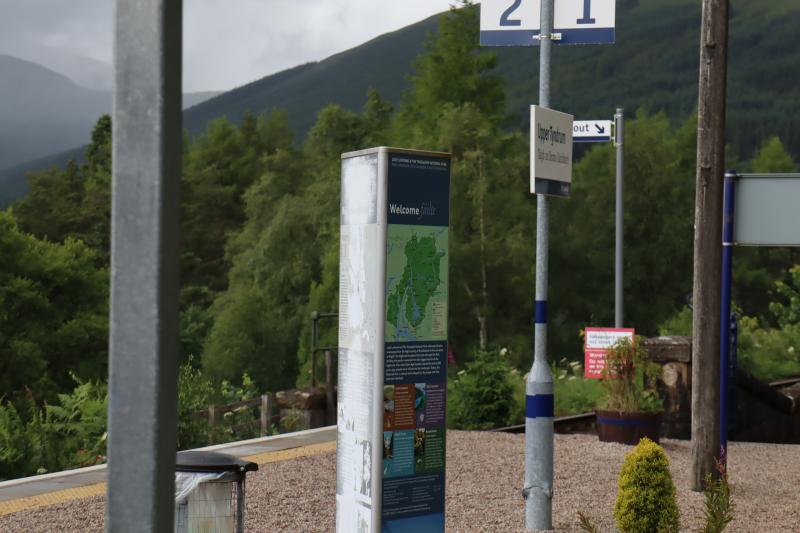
{"x":629,"y":408}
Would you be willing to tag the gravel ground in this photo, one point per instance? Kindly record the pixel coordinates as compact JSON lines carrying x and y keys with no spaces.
{"x":484,"y":480}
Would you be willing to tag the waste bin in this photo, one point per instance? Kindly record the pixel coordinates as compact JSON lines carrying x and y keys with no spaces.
{"x":209,"y":492}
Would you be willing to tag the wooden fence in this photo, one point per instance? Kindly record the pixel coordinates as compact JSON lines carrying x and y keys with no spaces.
{"x":264,"y":403}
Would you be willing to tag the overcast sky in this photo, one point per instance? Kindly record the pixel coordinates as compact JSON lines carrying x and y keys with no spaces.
{"x":227,"y":43}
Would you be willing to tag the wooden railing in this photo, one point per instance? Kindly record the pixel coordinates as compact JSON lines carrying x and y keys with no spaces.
{"x":265,"y":404}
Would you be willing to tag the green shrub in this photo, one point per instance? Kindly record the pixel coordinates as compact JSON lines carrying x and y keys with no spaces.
{"x":482,"y":395}
{"x":679,"y":324}
{"x":719,"y":508}
{"x":20,"y":443}
{"x":242,"y":423}
{"x":75,"y":428}
{"x":574,"y":394}
{"x":67,"y":434}
{"x":71,"y":432}
{"x":769,"y":353}
{"x":646,"y":497}
{"x":195,"y":393}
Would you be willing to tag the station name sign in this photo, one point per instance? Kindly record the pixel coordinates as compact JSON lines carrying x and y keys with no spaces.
{"x":551,"y":152}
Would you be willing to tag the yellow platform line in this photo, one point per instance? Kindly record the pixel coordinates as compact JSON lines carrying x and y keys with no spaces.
{"x":293,"y":453}
{"x":98,"y":489}
{"x":51,"y":498}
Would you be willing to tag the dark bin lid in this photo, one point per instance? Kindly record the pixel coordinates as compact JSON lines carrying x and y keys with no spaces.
{"x":197,"y":461}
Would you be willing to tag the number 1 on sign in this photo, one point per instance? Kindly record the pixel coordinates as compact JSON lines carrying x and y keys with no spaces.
{"x":587,"y":13}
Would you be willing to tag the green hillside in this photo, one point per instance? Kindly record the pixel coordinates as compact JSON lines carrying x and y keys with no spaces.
{"x":383,"y":63}
{"x":13,"y":182}
{"x":652,"y":65}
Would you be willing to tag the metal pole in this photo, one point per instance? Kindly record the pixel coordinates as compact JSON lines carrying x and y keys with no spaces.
{"x":144,"y":266}
{"x":619,"y":137}
{"x":314,"y":322}
{"x":725,"y":310}
{"x":330,"y":406}
{"x":538,"y":487}
{"x":240,"y":502}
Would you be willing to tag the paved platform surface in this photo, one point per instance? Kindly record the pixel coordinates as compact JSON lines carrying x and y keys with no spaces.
{"x":48,"y":489}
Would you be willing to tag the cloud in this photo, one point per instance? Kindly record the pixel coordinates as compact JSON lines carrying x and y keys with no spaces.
{"x":227,"y":43}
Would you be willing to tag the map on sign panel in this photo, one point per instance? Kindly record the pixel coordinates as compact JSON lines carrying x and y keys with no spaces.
{"x":416,"y":283}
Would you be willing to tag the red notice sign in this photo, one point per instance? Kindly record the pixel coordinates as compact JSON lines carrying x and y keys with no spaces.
{"x":596,"y":342}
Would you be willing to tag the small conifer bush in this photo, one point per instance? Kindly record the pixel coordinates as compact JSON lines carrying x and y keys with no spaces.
{"x":646,"y":498}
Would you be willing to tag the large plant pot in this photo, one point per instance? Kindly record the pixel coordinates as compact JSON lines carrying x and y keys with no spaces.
{"x":627,"y":428}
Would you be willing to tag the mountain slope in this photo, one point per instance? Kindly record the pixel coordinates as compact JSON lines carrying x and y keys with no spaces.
{"x":13,"y":180}
{"x":653,"y":65}
{"x":42,"y":111}
{"x":344,"y":78}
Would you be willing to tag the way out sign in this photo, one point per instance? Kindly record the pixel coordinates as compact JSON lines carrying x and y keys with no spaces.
{"x":596,"y":342}
{"x":591,"y":131}
{"x":551,"y":152}
{"x":517,"y":22}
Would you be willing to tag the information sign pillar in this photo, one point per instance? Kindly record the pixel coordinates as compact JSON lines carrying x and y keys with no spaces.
{"x":393,"y":300}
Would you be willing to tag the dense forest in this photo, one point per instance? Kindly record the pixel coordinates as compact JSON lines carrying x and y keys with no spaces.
{"x":260,"y":247}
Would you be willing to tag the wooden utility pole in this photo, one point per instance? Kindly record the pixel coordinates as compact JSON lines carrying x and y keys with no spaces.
{"x":708,"y":239}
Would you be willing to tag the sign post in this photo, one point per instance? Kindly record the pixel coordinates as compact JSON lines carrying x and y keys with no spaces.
{"x":527,"y":23}
{"x":758,"y":210}
{"x":588,"y":131}
{"x":619,"y":132}
{"x":393,"y":297}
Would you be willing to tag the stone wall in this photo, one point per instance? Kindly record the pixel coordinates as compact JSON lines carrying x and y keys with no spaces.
{"x":761,"y":413}
{"x":674,"y":354}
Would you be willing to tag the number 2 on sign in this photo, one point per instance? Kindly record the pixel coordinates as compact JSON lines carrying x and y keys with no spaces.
{"x":506,"y":21}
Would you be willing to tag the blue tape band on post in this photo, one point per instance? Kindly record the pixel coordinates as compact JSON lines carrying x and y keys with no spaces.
{"x":541,"y":311}
{"x":539,"y":406}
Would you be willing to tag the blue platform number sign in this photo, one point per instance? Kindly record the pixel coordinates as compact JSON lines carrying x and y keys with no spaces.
{"x":517,"y":22}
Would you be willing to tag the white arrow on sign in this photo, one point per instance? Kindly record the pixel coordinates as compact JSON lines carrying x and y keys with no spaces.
{"x":588,"y":131}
